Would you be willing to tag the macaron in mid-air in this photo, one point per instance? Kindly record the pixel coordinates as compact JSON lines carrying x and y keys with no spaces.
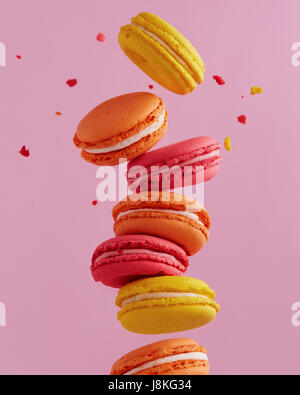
{"x":166,"y":304}
{"x":123,"y":127}
{"x":166,"y":357}
{"x":123,"y":259}
{"x":185,"y":163}
{"x":168,"y":215}
{"x":162,"y":53}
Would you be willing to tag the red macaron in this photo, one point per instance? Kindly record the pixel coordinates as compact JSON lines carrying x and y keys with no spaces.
{"x":189,"y":162}
{"x":123,"y":259}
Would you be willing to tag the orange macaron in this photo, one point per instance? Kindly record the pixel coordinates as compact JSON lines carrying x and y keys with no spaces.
{"x":166,"y":357}
{"x":168,"y":215}
{"x":123,"y":127}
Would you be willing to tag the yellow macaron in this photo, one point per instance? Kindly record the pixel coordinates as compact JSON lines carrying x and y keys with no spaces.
{"x":162,"y":52}
{"x":166,"y":304}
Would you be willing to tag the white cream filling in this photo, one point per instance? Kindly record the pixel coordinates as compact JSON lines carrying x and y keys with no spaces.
{"x":183,"y":213}
{"x":194,"y":356}
{"x":133,"y":139}
{"x":110,"y":254}
{"x":201,"y":158}
{"x":160,"y":295}
{"x":167,"y":47}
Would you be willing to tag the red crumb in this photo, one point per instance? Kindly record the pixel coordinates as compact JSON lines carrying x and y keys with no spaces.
{"x":72,"y":82}
{"x":24,"y":152}
{"x":151,"y":86}
{"x":94,"y":202}
{"x":219,"y":80}
{"x":58,"y":113}
{"x":243,"y":97}
{"x":101,"y":37}
{"x":18,"y":56}
{"x":242,"y":119}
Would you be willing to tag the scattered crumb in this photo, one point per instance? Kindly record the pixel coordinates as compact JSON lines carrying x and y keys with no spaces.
{"x":94,"y":202}
{"x":18,"y":56}
{"x":219,"y":80}
{"x":24,"y":152}
{"x":72,"y":82}
{"x":151,"y":86}
{"x":227,"y":143}
{"x":58,"y":113}
{"x":100,"y":37}
{"x":242,"y":119}
{"x":255,"y":90}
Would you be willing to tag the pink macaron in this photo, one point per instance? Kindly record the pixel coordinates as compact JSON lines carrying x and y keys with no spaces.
{"x":188,"y":162}
{"x":123,"y":259}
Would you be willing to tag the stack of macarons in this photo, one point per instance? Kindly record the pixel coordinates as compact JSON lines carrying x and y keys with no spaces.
{"x":156,"y":230}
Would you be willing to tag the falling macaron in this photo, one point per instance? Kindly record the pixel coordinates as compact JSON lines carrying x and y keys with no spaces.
{"x":123,"y":259}
{"x":121,"y":128}
{"x":171,"y":216}
{"x":167,"y":357}
{"x":166,"y":304}
{"x":188,"y":162}
{"x":162,"y":52}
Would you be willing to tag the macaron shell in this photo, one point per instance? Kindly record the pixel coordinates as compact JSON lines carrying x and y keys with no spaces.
{"x":187,"y":233}
{"x":175,"y":155}
{"x":183,"y":150}
{"x":180,"y":368}
{"x":201,"y":369}
{"x":152,"y":257}
{"x":167,"y":318}
{"x":179,"y":44}
{"x":154,"y":351}
{"x":117,"y":274}
{"x":162,"y":200}
{"x":177,"y":178}
{"x":141,"y":242}
{"x":128,"y":153}
{"x":211,"y":171}
{"x":155,"y":60}
{"x":106,"y":122}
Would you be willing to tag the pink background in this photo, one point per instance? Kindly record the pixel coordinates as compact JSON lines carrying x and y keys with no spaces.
{"x":58,"y":319}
